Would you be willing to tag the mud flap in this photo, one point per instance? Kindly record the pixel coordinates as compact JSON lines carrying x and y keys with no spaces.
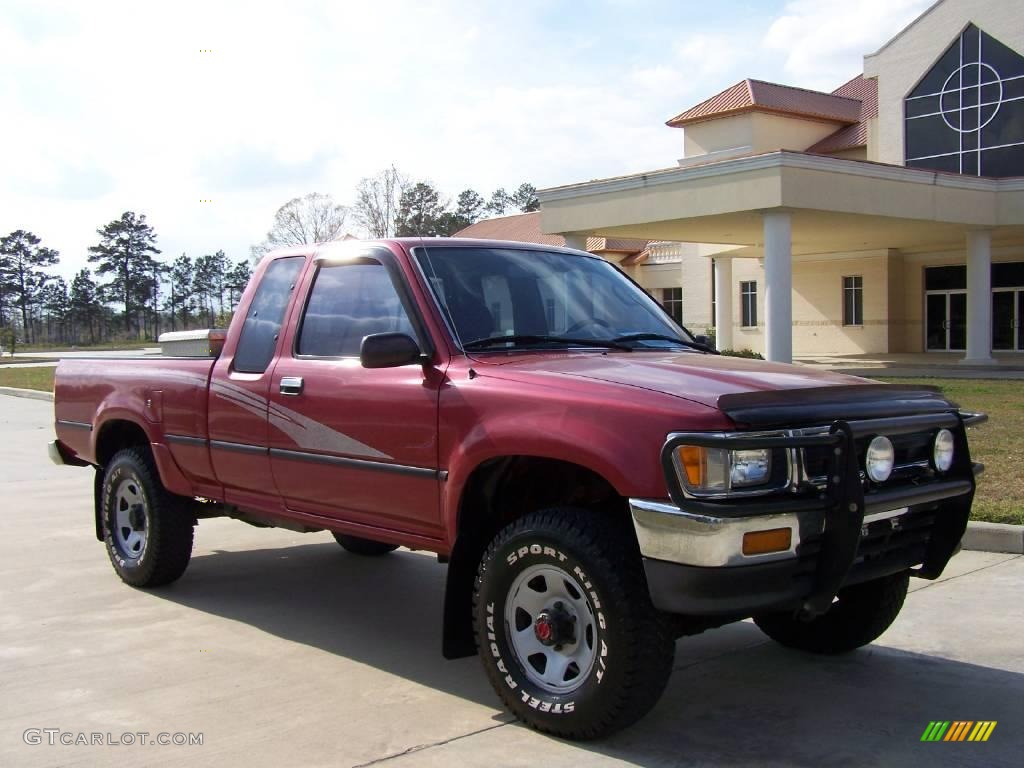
{"x":97,"y":500}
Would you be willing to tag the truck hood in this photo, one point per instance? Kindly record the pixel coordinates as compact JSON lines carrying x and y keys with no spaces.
{"x":693,"y":376}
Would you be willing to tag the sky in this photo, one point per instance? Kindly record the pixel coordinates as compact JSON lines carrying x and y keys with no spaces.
{"x":160,"y":107}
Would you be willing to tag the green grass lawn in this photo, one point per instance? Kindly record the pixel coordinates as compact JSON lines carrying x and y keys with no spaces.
{"x":28,"y":378}
{"x":105,"y":345}
{"x":998,"y":444}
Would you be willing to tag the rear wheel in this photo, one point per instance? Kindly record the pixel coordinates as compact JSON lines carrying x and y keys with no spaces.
{"x":565,"y":627}
{"x":858,"y":616}
{"x":147,"y":531}
{"x":365,"y":547}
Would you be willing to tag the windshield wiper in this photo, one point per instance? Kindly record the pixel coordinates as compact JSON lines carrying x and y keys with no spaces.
{"x":662,"y":337}
{"x":493,"y":341}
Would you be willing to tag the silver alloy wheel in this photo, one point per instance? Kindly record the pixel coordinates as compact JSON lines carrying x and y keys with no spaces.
{"x":551,"y":628}
{"x":131,"y":519}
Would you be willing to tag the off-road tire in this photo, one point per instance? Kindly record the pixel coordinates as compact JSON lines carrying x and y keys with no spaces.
{"x":364,"y":547}
{"x":858,"y":617}
{"x":168,"y":523}
{"x":634,"y":646}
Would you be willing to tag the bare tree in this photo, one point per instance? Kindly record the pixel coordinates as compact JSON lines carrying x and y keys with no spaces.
{"x":377,"y":202}
{"x":313,"y":218}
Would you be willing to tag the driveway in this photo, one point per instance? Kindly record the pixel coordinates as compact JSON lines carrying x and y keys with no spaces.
{"x":281,"y":649}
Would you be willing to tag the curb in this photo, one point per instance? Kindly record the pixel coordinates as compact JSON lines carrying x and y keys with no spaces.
{"x":31,"y":394}
{"x":994,"y":537}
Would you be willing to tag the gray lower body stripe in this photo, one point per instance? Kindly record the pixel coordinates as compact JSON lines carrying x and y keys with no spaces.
{"x":238,"y":447}
{"x":340,"y":461}
{"x":185,"y":440}
{"x":75,"y":424}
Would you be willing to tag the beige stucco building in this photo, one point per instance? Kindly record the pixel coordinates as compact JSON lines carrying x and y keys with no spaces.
{"x":886,"y":216}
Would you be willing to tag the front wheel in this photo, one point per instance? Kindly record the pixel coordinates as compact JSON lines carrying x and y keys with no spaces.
{"x":565,"y":626}
{"x":147,"y":530}
{"x":858,"y":616}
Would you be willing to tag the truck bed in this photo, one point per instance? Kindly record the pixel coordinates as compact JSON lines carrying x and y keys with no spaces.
{"x":92,"y":395}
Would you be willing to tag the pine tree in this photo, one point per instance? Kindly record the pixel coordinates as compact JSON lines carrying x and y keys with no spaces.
{"x":125,"y":253}
{"x":22,"y":262}
{"x":85,"y":306}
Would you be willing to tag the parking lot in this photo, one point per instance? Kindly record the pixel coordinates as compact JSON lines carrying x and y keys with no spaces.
{"x":281,"y":649}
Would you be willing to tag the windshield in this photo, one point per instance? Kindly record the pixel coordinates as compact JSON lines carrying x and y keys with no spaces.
{"x":543,"y":298}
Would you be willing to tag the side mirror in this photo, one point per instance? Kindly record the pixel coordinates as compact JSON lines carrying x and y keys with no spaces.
{"x":388,"y":350}
{"x":702,"y":340}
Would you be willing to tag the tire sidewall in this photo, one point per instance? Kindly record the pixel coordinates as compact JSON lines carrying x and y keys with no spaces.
{"x":121,"y":469}
{"x":528,"y":700}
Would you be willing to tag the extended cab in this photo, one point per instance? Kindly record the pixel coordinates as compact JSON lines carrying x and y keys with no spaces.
{"x":599,"y":481}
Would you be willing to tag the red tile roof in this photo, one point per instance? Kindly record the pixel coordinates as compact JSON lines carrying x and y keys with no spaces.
{"x":856,"y":135}
{"x":525,"y":228}
{"x":759,"y":96}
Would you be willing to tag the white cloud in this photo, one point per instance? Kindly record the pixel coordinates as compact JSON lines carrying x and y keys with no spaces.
{"x":823,"y":41}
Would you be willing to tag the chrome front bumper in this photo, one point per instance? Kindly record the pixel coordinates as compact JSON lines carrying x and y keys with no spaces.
{"x":665,"y":532}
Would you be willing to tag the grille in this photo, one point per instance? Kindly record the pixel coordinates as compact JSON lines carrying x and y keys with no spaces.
{"x":885,"y":546}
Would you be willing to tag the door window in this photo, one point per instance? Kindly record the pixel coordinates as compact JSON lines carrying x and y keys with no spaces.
{"x":347,"y":303}
{"x":266,"y":313}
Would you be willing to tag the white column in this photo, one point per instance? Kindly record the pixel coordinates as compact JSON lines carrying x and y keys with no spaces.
{"x":579,"y":242}
{"x":979,"y":298}
{"x":778,"y":288}
{"x":723,"y":302}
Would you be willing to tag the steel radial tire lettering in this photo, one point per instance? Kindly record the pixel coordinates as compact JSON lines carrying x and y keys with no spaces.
{"x":633,"y":649}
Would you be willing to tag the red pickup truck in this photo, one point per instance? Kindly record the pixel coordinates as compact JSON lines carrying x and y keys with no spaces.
{"x":599,"y":481}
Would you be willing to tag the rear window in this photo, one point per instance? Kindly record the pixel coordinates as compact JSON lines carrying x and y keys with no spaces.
{"x":266,"y":313}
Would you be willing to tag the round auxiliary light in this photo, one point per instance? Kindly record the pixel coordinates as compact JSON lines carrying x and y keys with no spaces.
{"x":942,"y":453}
{"x":879,"y":459}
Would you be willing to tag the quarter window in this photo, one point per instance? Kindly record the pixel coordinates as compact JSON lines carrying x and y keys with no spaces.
{"x":348,"y":302}
{"x":853,"y":300}
{"x":748,"y":303}
{"x":266,"y":313}
{"x":672,"y":301}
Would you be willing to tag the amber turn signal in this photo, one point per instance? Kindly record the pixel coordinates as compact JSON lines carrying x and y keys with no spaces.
{"x":763,"y":542}
{"x":693,"y":464}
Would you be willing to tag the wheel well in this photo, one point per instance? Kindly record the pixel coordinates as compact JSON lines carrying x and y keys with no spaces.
{"x":497,"y":492}
{"x":503,"y":489}
{"x":116,"y":435}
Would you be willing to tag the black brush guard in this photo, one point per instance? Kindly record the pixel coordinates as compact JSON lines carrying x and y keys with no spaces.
{"x":844,"y":504}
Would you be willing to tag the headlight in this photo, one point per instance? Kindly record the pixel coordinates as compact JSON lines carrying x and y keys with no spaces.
{"x":942,"y":453}
{"x":879,"y":459}
{"x":715,"y":469}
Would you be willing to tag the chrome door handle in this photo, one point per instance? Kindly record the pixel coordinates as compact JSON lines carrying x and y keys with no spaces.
{"x":291,"y":385}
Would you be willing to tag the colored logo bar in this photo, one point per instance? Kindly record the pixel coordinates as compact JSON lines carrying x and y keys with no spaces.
{"x":958,"y":730}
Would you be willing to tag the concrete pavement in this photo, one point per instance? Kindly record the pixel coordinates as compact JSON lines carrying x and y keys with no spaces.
{"x":283,"y":650}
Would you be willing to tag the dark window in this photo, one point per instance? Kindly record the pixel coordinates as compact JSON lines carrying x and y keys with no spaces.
{"x":748,"y":303}
{"x":1008,"y":275}
{"x":853,"y":300}
{"x":672,"y":301}
{"x":347,"y":303}
{"x":266,"y":313}
{"x":967,"y":114}
{"x":945,"y":278}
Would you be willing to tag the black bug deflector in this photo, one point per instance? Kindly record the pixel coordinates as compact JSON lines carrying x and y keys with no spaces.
{"x":791,"y":408}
